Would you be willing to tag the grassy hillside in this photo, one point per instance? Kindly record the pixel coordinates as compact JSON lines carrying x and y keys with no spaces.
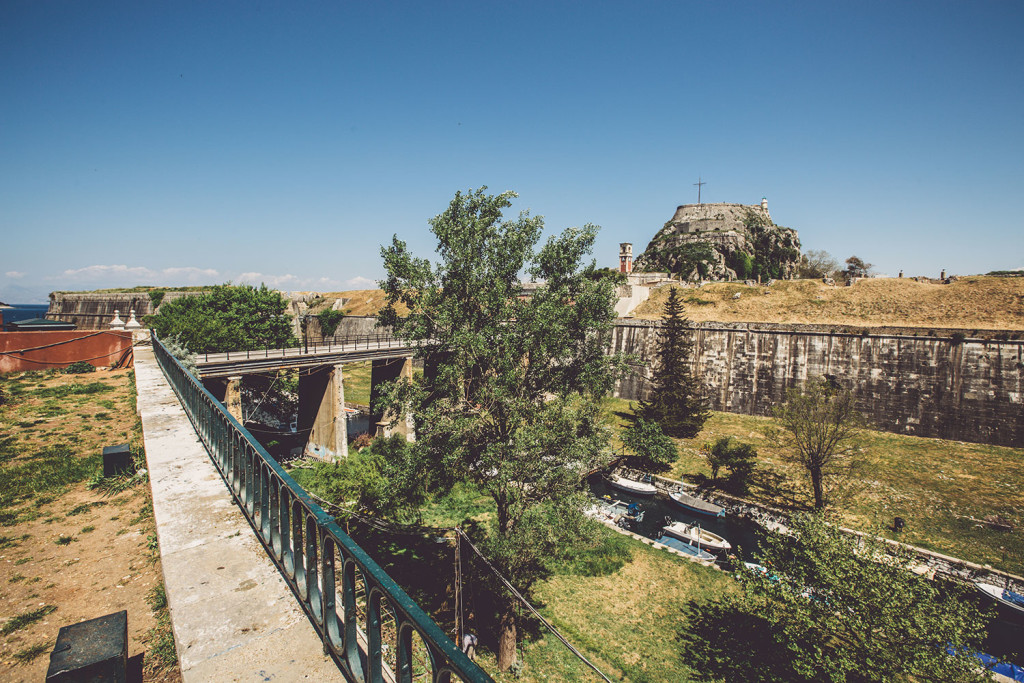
{"x":980,"y":302}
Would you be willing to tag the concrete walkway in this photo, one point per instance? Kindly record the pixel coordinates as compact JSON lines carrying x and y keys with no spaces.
{"x":234,"y":618}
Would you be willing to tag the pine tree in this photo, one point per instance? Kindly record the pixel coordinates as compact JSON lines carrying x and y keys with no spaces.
{"x":677,"y":402}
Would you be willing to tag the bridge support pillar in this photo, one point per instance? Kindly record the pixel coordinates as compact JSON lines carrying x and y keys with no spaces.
{"x":233,"y":397}
{"x":388,"y":370}
{"x":322,"y":413}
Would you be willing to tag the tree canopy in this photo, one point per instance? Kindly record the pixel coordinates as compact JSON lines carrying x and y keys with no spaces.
{"x":227,"y":318}
{"x":676,"y":403}
{"x":819,"y":428}
{"x":509,"y":394}
{"x":834,"y":607}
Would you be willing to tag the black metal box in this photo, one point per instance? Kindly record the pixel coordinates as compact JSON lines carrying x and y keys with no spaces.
{"x":116,"y":460}
{"x":94,"y":651}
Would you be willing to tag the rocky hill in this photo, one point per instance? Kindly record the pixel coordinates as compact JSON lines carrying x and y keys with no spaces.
{"x":722,"y":242}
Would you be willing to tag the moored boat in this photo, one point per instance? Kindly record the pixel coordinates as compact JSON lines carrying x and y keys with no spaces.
{"x":686,"y":548}
{"x":698,"y":505}
{"x":694,"y":535}
{"x":631,"y":486}
{"x":1003,"y":596}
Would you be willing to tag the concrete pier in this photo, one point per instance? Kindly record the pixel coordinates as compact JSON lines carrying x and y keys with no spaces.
{"x":233,"y":616}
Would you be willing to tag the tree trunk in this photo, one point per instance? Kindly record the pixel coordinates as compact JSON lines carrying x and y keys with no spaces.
{"x":819,"y":493}
{"x":507,"y":637}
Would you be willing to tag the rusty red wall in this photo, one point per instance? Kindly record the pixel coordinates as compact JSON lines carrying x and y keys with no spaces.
{"x":20,"y":351}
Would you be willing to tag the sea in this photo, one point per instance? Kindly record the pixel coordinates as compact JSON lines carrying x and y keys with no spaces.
{"x":19,"y":312}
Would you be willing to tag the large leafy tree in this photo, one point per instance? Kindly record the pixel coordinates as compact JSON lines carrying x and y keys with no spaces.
{"x":226,"y":318}
{"x":676,"y":402}
{"x":835,"y":607}
{"x":818,"y":429}
{"x":508,"y":399}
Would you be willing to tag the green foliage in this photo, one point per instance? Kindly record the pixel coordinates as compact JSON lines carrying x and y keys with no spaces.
{"x":838,"y":608}
{"x":177,"y":348}
{"x":741,"y":262}
{"x":819,"y":430}
{"x":156,"y":296}
{"x":653,"y":450}
{"x":228,"y":318}
{"x":509,"y":396}
{"x":775,"y":248}
{"x":677,"y":403}
{"x":737,"y":457}
{"x":30,"y":653}
{"x":79,"y":368}
{"x":329,"y":319}
{"x":382,"y":480}
{"x":20,"y":621}
{"x":817,"y":264}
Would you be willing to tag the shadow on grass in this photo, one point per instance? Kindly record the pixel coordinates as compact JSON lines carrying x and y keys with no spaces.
{"x":722,"y":640}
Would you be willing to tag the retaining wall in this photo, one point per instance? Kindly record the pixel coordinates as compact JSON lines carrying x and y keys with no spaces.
{"x":932,"y":386}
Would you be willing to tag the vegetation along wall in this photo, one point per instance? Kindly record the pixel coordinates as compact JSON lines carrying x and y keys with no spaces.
{"x":928,"y":385}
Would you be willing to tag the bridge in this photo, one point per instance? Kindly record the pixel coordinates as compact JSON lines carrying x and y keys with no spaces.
{"x":231,"y":619}
{"x":321,"y":391}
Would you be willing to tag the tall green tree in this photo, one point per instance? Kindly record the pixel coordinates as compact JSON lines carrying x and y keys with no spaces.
{"x":227,"y":318}
{"x":676,"y":402}
{"x":818,"y":429}
{"x":838,"y":608}
{"x":653,"y":450}
{"x":509,"y":395}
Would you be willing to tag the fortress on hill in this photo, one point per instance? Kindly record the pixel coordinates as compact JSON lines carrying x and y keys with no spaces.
{"x":723,"y":242}
{"x":697,"y":218}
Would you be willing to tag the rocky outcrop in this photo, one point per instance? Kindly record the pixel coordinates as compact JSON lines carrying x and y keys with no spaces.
{"x":723,"y":242}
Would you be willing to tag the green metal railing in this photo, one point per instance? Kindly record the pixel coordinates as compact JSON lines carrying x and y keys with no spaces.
{"x":325,"y":568}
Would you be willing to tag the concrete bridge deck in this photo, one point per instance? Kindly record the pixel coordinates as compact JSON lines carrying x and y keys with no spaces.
{"x":246,"y":362}
{"x":233,"y":616}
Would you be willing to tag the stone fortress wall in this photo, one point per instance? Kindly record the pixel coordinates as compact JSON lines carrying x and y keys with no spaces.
{"x":928,"y":386}
{"x":694,"y":218}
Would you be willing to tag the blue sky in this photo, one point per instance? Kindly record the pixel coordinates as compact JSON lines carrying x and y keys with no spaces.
{"x":173,"y":143}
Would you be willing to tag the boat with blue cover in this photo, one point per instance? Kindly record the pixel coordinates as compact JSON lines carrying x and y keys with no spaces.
{"x":1004,"y":596}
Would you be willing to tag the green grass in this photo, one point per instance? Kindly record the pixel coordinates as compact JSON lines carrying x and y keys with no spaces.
{"x":65,"y":390}
{"x":935,"y":485}
{"x":30,"y":653}
{"x":47,"y":471}
{"x":357,"y":382}
{"x":161,"y":652}
{"x":20,"y":621}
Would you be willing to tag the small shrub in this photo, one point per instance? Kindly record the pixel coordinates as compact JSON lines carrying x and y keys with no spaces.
{"x":87,"y":529}
{"x":156,"y":296}
{"x":957,"y":338}
{"x":65,"y":540}
{"x":79,"y":368}
{"x":329,"y":320}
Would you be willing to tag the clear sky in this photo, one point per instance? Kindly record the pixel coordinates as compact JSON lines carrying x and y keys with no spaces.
{"x":173,"y":143}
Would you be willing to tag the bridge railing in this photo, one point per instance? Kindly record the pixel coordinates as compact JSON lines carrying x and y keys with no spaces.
{"x":346,"y":595}
{"x":328,"y":344}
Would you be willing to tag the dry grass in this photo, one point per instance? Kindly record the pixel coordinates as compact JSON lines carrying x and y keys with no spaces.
{"x":361,"y":301}
{"x":977,"y":302}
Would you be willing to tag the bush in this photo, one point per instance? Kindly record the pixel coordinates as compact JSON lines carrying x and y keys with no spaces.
{"x":156,"y":296}
{"x":957,"y":338}
{"x":79,"y":368}
{"x":329,"y":320}
{"x":739,"y":458}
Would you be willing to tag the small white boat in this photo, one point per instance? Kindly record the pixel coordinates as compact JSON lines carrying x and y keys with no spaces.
{"x":1003,"y":596}
{"x":636,"y":488}
{"x":694,"y":504}
{"x":694,"y":535}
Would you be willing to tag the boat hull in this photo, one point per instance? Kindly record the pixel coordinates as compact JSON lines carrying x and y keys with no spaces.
{"x":996,"y":593}
{"x":634,"y":488}
{"x":697,"y":537}
{"x":712,"y":510}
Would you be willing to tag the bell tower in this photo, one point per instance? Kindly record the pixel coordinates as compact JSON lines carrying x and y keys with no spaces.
{"x":626,"y":257}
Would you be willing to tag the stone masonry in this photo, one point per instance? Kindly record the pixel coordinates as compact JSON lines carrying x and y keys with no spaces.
{"x":929,"y":386}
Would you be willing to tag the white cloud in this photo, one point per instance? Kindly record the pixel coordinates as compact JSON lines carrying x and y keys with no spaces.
{"x":275,"y":281}
{"x":360,"y":282}
{"x":121,"y":275}
{"x":14,"y":274}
